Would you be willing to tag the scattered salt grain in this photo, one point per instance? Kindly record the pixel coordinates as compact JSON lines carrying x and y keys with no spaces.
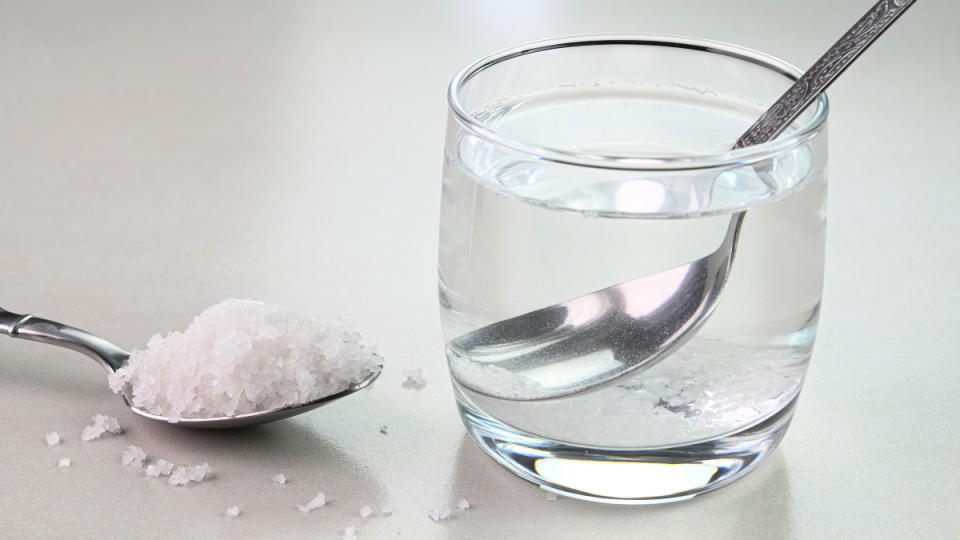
{"x":53,"y":438}
{"x":101,"y":424}
{"x":438,"y":515}
{"x":233,"y":511}
{"x":161,"y":467}
{"x":133,"y":455}
{"x":316,"y":502}
{"x":241,"y":356}
{"x":551,"y":496}
{"x":413,"y":378}
{"x":366,"y":511}
{"x":63,"y":463}
{"x":350,"y":533}
{"x":386,"y":511}
{"x":182,"y":476}
{"x":463,"y":504}
{"x":280,"y":479}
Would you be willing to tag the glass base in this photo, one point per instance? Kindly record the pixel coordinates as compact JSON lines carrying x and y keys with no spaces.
{"x":628,"y":476}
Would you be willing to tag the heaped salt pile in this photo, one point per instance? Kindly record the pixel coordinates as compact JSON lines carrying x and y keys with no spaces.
{"x":101,"y":424}
{"x":242,"y":356}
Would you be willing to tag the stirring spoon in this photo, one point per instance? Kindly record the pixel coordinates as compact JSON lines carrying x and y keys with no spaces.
{"x":590,"y":340}
{"x":111,"y":358}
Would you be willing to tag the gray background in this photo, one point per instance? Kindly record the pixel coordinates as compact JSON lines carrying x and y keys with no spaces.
{"x":157,"y":157}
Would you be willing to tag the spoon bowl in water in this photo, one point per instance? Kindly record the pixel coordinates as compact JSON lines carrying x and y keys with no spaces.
{"x":593,"y":339}
{"x":111,"y":358}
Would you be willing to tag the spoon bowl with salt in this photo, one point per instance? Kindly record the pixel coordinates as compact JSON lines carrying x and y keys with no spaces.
{"x":113,"y":359}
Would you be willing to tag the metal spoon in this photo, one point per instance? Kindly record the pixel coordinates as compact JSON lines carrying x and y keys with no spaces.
{"x":576,"y":345}
{"x":112,"y":357}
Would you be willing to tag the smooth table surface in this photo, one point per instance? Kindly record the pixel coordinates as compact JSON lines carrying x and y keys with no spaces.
{"x":157,"y":157}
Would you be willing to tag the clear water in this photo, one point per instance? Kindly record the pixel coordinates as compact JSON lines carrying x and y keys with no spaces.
{"x":520,"y":234}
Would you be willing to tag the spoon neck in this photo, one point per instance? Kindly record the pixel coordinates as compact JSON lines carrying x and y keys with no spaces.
{"x":31,"y":328}
{"x":9,"y":321}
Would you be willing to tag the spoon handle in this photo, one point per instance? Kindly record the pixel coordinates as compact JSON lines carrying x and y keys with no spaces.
{"x":812,"y":83}
{"x":8,"y":321}
{"x":33,"y":328}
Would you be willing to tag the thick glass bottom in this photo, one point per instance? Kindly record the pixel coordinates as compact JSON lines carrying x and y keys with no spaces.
{"x":628,"y":476}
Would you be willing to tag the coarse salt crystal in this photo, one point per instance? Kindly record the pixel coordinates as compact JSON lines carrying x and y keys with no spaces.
{"x":463,"y":504}
{"x":63,"y":463}
{"x":386,"y":511}
{"x":366,"y":511}
{"x":133,"y":454}
{"x":179,"y":476}
{"x":280,"y":479}
{"x":241,"y":356}
{"x":551,"y":496}
{"x":53,"y":438}
{"x":439,"y":514}
{"x":350,"y":533}
{"x":101,"y":424}
{"x":413,"y":378}
{"x":233,"y":511}
{"x":316,"y":502}
{"x":161,"y":467}
{"x":184,"y":475}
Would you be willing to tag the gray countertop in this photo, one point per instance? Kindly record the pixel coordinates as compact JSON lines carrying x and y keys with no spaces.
{"x":157,"y":157}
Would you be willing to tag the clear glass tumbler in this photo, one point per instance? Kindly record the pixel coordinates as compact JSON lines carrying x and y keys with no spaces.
{"x":575,"y":164}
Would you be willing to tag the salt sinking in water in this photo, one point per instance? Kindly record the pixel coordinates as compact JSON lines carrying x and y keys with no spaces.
{"x":242,"y":356}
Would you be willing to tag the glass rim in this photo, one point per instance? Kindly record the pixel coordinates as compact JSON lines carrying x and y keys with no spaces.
{"x":739,"y":157}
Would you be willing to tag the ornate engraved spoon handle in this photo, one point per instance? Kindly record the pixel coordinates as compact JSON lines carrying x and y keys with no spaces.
{"x":824,"y":71}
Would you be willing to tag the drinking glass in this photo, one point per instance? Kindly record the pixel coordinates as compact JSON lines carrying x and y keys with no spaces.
{"x":574,"y":164}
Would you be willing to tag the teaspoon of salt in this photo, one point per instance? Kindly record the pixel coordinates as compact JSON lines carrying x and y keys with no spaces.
{"x":112,"y":358}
